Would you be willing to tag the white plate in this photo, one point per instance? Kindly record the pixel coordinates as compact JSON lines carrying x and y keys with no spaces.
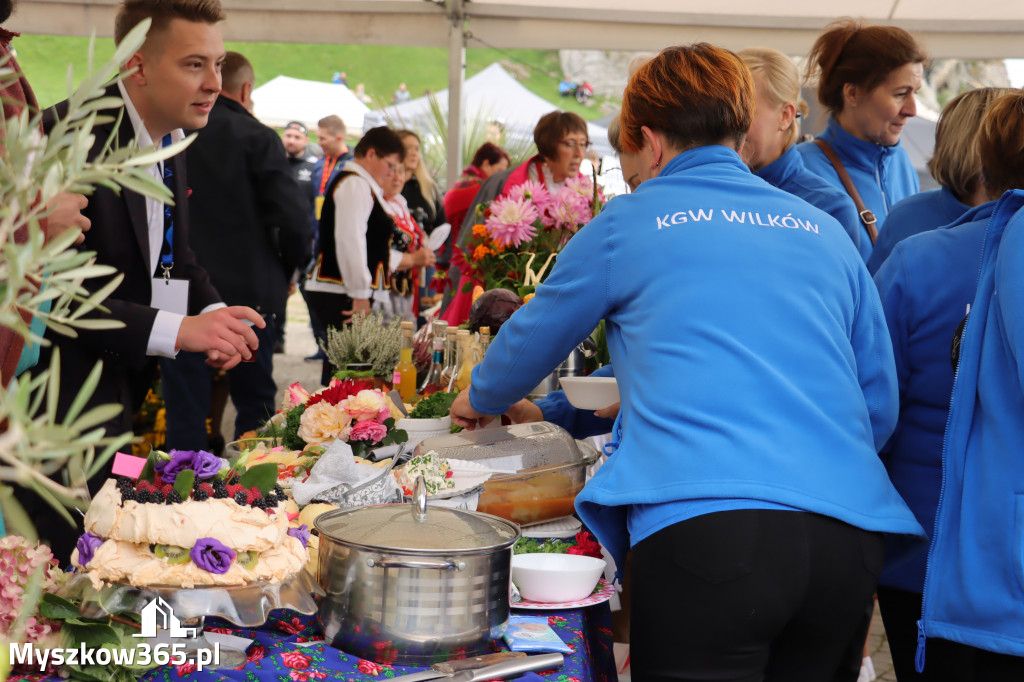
{"x":437,"y":238}
{"x":565,"y":527}
{"x":602,"y":593}
{"x":467,"y":476}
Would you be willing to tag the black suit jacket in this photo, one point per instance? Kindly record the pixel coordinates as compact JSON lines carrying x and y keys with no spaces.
{"x":250,"y":226}
{"x":120,"y":237}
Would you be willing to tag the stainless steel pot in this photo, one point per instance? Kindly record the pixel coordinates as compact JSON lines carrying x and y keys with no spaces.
{"x":573,"y":366}
{"x":411,"y":586}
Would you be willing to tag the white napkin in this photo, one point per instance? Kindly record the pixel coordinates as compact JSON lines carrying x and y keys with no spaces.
{"x":335,"y":467}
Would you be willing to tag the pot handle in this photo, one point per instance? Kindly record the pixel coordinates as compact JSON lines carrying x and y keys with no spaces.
{"x":419,"y":499}
{"x":439,"y":565}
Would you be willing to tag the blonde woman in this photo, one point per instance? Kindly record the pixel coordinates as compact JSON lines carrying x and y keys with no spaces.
{"x":420,"y":191}
{"x":770,"y":147}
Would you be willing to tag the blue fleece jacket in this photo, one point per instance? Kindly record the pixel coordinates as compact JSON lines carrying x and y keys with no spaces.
{"x":882,"y":175}
{"x":917,"y":213}
{"x":974,"y":591}
{"x":580,"y":423}
{"x":790,"y":174}
{"x":748,"y":342}
{"x":926,"y":285}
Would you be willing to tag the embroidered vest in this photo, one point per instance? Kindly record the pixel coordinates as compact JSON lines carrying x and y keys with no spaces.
{"x":379,"y":230}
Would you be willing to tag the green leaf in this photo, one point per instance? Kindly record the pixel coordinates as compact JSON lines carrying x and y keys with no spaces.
{"x":263,"y":476}
{"x":57,"y":608}
{"x":84,"y":393}
{"x":183,"y":482}
{"x":93,"y":635}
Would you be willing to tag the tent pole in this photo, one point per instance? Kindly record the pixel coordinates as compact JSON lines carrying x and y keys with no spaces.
{"x":456,"y":75}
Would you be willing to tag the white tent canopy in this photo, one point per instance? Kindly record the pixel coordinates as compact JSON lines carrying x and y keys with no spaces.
{"x":492,"y":95}
{"x":948,"y":28}
{"x":285,"y":99}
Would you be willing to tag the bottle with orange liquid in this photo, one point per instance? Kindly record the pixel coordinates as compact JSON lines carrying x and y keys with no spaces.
{"x":405,"y":370}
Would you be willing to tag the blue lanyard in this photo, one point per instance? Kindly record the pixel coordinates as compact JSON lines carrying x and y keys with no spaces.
{"x":167,"y":250}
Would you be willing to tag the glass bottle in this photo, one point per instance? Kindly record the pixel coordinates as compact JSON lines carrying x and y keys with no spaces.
{"x":466,"y":364}
{"x":405,"y":371}
{"x":432,"y":382}
{"x":483,"y":342}
{"x":451,"y":367}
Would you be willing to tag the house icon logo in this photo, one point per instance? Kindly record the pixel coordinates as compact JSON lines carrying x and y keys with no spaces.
{"x":158,"y":614}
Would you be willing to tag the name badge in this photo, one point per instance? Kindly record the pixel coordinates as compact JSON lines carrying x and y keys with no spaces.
{"x":170,"y":295}
{"x":319,"y":206}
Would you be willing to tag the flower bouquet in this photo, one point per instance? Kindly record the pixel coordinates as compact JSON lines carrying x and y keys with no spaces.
{"x":521,"y":233}
{"x":350,"y":411}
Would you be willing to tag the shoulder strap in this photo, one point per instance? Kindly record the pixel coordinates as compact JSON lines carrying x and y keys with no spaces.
{"x":866,"y":216}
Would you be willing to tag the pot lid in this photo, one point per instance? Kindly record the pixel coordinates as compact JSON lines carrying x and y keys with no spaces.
{"x":403,"y":527}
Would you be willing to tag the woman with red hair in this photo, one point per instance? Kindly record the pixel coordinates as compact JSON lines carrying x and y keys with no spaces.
{"x":752,"y":497}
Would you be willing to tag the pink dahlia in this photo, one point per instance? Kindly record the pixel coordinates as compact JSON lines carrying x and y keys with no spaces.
{"x":533,"y":191}
{"x":511,"y":221}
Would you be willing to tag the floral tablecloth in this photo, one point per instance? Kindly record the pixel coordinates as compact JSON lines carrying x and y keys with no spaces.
{"x":279,"y":652}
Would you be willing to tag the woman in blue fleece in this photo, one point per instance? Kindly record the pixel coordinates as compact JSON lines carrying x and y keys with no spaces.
{"x":757,"y":383}
{"x":974,"y":587}
{"x":954,"y":165}
{"x":926,"y":285}
{"x":867,"y":77}
{"x":770,"y":147}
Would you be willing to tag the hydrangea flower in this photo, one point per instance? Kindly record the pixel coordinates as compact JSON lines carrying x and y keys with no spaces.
{"x":20,"y":559}
{"x":511,"y":221}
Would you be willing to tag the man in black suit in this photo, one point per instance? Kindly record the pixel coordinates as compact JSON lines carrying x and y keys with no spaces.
{"x":250,"y":230}
{"x":166,"y":301}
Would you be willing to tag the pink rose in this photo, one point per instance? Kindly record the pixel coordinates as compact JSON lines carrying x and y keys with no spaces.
{"x":368,"y":430}
{"x":295,"y":660}
{"x":366,"y":404}
{"x":295,"y":395}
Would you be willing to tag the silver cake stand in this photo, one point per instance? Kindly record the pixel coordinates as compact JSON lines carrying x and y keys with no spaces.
{"x":244,"y":605}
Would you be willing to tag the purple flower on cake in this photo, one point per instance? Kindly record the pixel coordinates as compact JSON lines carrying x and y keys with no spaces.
{"x":205,"y":464}
{"x":211,"y":555}
{"x":301,"y":534}
{"x":87,"y":546}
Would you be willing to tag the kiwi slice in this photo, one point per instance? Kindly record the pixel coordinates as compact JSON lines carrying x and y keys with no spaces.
{"x":247,"y":559}
{"x":174,"y":555}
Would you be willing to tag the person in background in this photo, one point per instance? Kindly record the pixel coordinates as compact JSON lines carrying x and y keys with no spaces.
{"x":421,"y":191}
{"x":954,"y":165}
{"x":331,"y":136}
{"x":562,"y":142}
{"x":247,"y":218}
{"x":340,"y":78}
{"x":488,"y":160}
{"x":402,"y":94}
{"x":408,"y":250}
{"x":353,"y":261}
{"x":770,"y":146}
{"x":295,"y":138}
{"x":927,"y":285}
{"x":867,"y":77}
{"x":360,"y":93}
{"x":764,"y":514}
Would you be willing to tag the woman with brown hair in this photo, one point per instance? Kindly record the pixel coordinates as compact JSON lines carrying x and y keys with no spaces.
{"x":954,"y":165}
{"x":867,"y":77}
{"x":751,"y":493}
{"x":770,"y":147}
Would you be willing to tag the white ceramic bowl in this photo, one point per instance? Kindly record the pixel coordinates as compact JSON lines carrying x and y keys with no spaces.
{"x":421,"y":429}
{"x":555,"y":578}
{"x":590,"y":393}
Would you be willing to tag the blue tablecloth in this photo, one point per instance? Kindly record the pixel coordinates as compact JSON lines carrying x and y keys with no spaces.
{"x":278,"y":654}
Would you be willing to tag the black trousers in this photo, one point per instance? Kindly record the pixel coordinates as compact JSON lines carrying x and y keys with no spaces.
{"x":944,"y":661}
{"x":329,"y":309}
{"x":752,"y":596}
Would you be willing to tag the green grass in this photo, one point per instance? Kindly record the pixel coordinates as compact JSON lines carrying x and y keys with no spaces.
{"x":45,"y":60}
